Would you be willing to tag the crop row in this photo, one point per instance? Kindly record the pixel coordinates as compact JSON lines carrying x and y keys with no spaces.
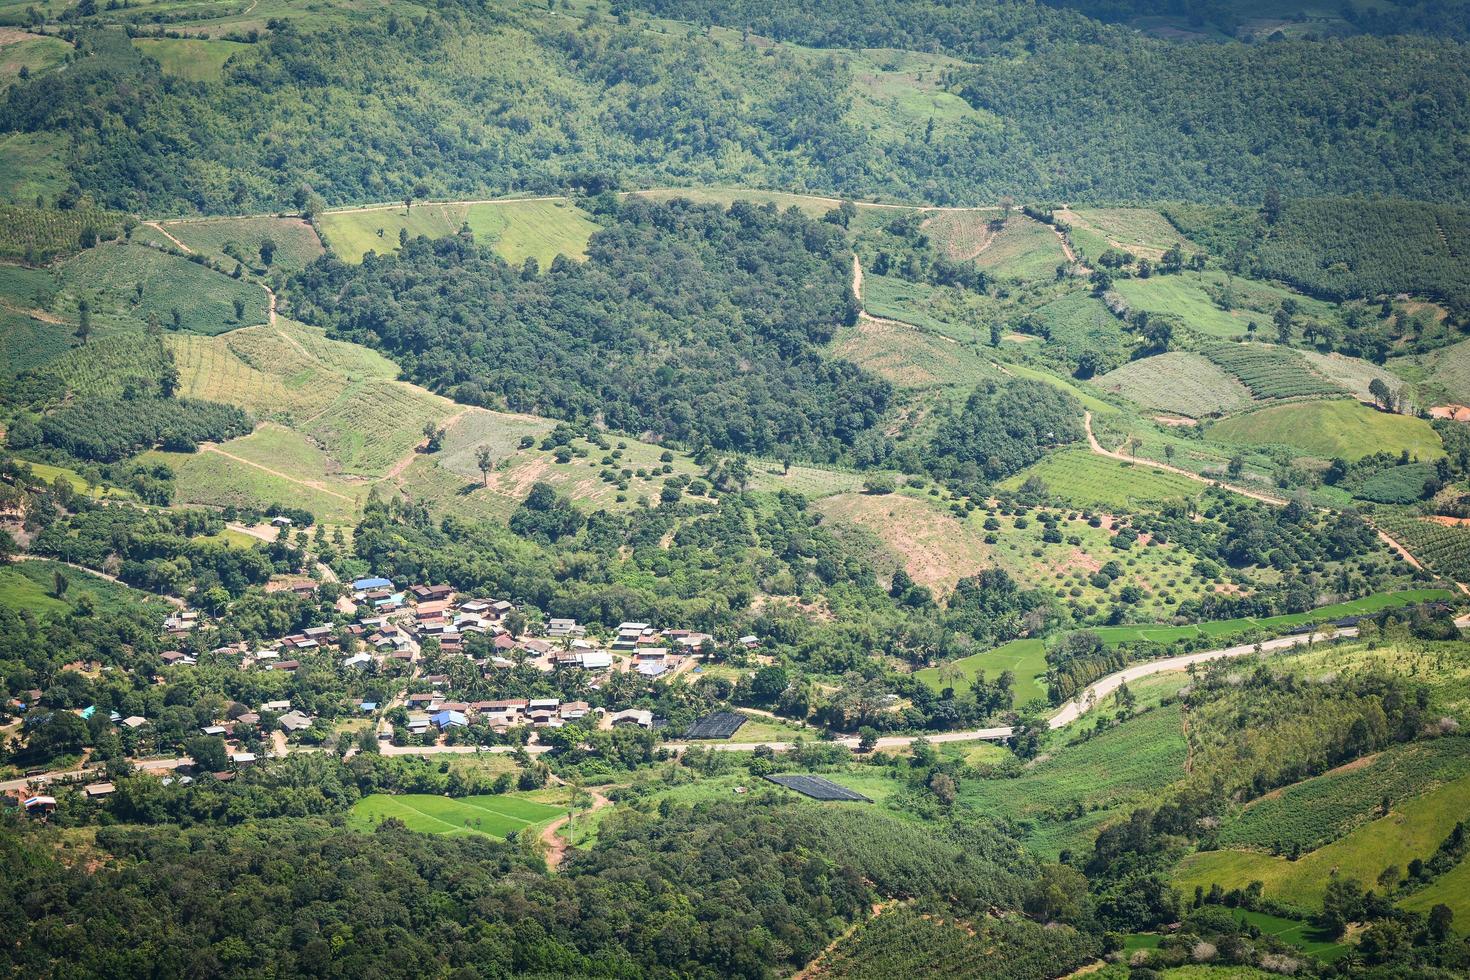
{"x":1445,"y":549}
{"x":1271,"y":372}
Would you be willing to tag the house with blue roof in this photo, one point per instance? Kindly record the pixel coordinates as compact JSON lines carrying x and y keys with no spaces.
{"x":368,"y":584}
{"x":445,"y":720}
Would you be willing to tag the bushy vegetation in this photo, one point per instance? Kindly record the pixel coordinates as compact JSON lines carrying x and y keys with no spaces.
{"x":695,"y":323}
{"x":1002,"y":429}
{"x":903,"y":942}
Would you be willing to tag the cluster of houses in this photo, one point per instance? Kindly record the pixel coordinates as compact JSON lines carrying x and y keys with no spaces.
{"x":437,"y":711}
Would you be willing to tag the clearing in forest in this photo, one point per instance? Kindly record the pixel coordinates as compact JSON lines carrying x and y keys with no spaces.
{"x":492,"y":816}
{"x":516,"y":229}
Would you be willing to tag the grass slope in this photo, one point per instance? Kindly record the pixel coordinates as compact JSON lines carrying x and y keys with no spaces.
{"x":1178,"y":382}
{"x":516,"y":229}
{"x":1412,"y":829}
{"x":190,"y":58}
{"x":1107,"y":774}
{"x":297,"y":244}
{"x":110,"y":276}
{"x":1085,"y":479}
{"x":1330,"y":428}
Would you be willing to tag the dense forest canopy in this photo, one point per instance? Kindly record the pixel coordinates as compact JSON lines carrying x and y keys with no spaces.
{"x":687,"y":321}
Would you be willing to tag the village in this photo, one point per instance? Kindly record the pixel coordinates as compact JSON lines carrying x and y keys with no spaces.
{"x":421,"y":647}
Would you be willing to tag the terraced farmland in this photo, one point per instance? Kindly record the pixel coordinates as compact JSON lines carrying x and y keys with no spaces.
{"x":1023,"y":249}
{"x":297,"y":245}
{"x":1270,"y":371}
{"x":125,"y":283}
{"x":1143,"y":231}
{"x":910,"y":358}
{"x":372,"y":424}
{"x":1326,"y":429}
{"x":1084,"y":479}
{"x":1179,"y":382}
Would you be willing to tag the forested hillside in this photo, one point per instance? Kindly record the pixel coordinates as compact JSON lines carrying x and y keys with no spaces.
{"x":467,"y":101}
{"x":689,"y":322}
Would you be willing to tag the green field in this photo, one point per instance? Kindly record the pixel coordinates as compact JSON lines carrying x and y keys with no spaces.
{"x":1024,"y":658}
{"x":36,"y":235}
{"x":30,"y":586}
{"x":533,"y":229}
{"x":36,"y":54}
{"x":1328,"y":429}
{"x":1085,"y":479}
{"x":516,"y":229}
{"x":1300,"y":934}
{"x":912,"y":359}
{"x":1178,"y":382}
{"x":1140,"y":230}
{"x":108,"y":277}
{"x":26,"y":342}
{"x":297,"y":245}
{"x":1451,"y":888}
{"x":32,"y":164}
{"x":1185,"y":297}
{"x":1412,"y":829}
{"x":1352,"y":373}
{"x":493,"y":816}
{"x":196,"y":60}
{"x":1448,"y":370}
{"x":1271,"y":371}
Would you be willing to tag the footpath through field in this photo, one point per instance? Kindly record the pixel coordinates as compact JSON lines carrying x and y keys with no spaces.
{"x":1097,"y":448}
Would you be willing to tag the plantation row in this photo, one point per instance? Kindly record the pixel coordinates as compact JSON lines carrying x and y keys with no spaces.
{"x":1271,"y":372}
{"x":110,"y":429}
{"x":1444,"y":549}
{"x":901,"y":942}
{"x":38,"y":235}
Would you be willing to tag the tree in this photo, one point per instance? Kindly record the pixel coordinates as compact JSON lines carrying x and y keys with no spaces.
{"x":267,"y":250}
{"x":1271,"y":206}
{"x":84,"y":321}
{"x":484,"y":461}
{"x":1169,"y":451}
{"x":59,"y":584}
{"x":433,"y":437}
{"x":208,"y":752}
{"x":1282,"y":319}
{"x":867,"y":738}
{"x":767,"y":684}
{"x":1382,"y":396}
{"x":1441,"y":917}
{"x":239,"y":309}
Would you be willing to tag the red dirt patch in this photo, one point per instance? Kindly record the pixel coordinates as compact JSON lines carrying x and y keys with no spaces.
{"x":1460,"y":413}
